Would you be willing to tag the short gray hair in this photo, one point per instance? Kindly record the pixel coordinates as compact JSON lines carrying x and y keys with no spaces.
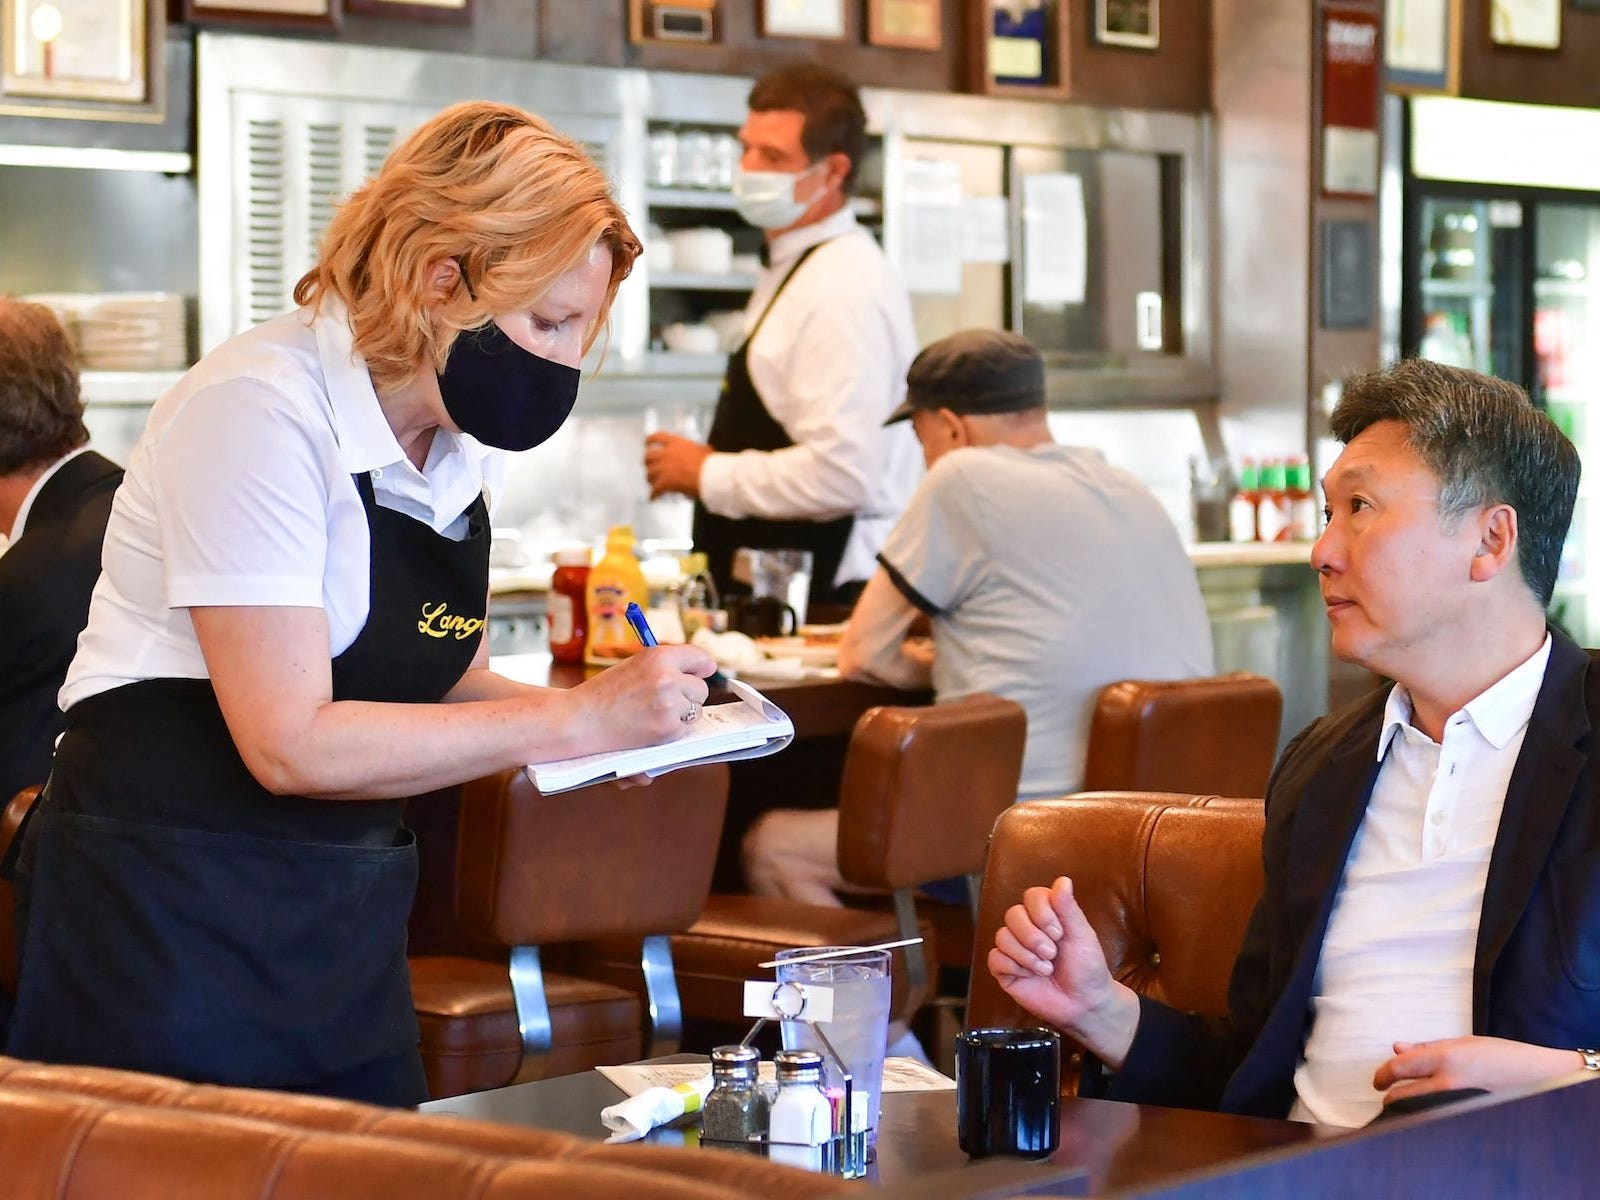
{"x":1486,"y":444}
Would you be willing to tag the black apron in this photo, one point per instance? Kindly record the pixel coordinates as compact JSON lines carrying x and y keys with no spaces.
{"x":742,"y":422}
{"x":173,"y":916}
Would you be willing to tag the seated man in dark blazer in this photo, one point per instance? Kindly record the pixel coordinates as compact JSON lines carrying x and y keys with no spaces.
{"x":1431,"y":913}
{"x":55,"y":497}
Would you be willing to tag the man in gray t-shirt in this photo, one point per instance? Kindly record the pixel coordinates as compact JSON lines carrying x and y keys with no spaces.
{"x":1046,"y":574}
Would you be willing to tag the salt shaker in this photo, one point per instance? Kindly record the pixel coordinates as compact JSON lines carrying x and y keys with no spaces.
{"x":802,"y":1117}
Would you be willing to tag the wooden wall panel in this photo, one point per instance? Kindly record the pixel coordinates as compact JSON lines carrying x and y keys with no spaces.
{"x":1175,"y":77}
{"x":1570,"y":75}
{"x":596,"y":32}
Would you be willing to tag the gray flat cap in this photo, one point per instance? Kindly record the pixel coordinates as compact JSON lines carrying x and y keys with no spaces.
{"x":974,"y":372}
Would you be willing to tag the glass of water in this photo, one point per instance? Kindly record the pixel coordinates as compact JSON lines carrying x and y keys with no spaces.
{"x":859,"y":1030}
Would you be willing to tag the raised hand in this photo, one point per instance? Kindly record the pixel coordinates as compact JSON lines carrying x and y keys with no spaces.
{"x":1048,"y":959}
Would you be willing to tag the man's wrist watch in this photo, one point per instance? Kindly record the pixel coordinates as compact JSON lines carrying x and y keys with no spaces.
{"x":1591,"y":1059}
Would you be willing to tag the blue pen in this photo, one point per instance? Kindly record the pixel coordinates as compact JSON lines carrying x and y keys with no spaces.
{"x":647,"y":637}
{"x":635,"y":616}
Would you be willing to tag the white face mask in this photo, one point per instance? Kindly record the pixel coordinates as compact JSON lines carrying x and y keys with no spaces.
{"x":766,"y":198}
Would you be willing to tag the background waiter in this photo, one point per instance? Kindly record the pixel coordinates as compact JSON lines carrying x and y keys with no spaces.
{"x":798,"y":456}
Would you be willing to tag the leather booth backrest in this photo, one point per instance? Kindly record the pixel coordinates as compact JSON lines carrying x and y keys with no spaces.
{"x":79,"y":1133}
{"x":602,"y":861}
{"x":1214,"y":735}
{"x":1167,"y":881}
{"x":10,"y":820}
{"x":923,"y":786}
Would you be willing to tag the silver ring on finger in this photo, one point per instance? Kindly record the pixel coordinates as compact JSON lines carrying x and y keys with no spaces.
{"x":694,"y":711}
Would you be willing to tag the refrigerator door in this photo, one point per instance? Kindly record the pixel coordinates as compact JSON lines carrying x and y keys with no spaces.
{"x":1470,"y":286}
{"x":1566,"y":342}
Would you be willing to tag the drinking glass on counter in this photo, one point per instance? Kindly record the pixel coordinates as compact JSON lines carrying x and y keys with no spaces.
{"x":859,"y":1030}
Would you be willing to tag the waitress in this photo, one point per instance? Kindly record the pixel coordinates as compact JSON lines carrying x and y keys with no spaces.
{"x":287,"y":636}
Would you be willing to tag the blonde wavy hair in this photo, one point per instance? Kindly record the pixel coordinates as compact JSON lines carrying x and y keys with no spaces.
{"x":512,"y":201}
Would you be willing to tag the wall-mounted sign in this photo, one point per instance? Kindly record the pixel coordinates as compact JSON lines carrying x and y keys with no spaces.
{"x":1346,"y":268}
{"x":322,"y":14}
{"x":1421,"y":44}
{"x":815,"y":19}
{"x":1535,"y":24}
{"x":1350,"y":95}
{"x":1018,"y":47}
{"x":688,"y":21}
{"x":75,"y":49}
{"x":1128,"y":23}
{"x":905,"y":24}
{"x":419,"y":10}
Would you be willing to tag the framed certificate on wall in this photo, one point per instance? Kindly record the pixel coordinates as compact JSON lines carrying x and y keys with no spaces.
{"x":76,"y":49}
{"x":459,"y":11}
{"x":320,"y":14}
{"x":1128,"y":23}
{"x":816,"y":19}
{"x":904,"y":24}
{"x":1533,"y":24}
{"x":1422,"y":45}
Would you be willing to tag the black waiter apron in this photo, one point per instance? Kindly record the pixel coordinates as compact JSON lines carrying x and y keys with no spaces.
{"x":742,"y":422}
{"x":174,"y":916}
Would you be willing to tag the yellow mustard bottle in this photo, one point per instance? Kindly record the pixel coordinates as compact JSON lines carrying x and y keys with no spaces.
{"x":613,"y":582}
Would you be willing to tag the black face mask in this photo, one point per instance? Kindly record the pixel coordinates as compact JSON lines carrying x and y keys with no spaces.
{"x":503,"y":395}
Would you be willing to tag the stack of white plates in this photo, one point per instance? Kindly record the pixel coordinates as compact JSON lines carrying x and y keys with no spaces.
{"x":67,"y":306}
{"x":133,"y":331}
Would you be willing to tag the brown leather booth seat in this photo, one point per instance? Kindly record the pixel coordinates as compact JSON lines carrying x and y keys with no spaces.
{"x":468,"y":1024}
{"x":84,"y":1133}
{"x":534,"y":872}
{"x":1167,"y":881}
{"x":1213,"y":735}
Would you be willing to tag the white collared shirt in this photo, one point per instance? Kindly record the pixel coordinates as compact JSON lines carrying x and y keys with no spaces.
{"x":240,"y":491}
{"x":830,"y":365}
{"x":1398,"y":957}
{"x":19,"y":523}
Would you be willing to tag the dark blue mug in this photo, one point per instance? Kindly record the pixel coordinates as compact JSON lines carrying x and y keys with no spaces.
{"x":1008,"y":1092}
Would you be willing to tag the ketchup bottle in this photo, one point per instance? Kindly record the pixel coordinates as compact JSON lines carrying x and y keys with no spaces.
{"x":569,"y":616}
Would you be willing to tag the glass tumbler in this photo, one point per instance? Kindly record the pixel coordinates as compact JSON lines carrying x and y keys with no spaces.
{"x":859,"y":1030}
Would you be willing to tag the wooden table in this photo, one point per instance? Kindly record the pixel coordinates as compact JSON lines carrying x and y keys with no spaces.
{"x":1121,"y":1145}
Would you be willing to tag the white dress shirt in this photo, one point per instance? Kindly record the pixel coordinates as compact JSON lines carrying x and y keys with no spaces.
{"x":1397,"y":960}
{"x":240,"y":492}
{"x":830,"y":365}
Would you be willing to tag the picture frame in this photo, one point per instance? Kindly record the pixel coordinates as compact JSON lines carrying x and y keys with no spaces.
{"x":79,"y":51}
{"x":305,"y":14}
{"x":1422,"y":46}
{"x":1130,"y":23}
{"x":675,"y":22}
{"x":998,"y":37}
{"x":905,"y":24}
{"x":814,"y":20}
{"x":1525,"y":24}
{"x":455,"y":12}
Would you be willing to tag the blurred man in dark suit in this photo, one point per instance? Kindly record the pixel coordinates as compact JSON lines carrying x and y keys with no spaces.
{"x":55,"y":497}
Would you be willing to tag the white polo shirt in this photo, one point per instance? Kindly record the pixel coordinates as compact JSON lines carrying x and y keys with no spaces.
{"x":240,"y":492}
{"x":1397,"y":960}
{"x":830,"y":365}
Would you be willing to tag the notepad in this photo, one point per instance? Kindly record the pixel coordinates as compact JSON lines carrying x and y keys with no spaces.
{"x":750,"y":727}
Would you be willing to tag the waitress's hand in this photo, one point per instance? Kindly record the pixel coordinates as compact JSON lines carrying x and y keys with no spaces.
{"x":645,"y":699}
{"x":672,"y":464}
